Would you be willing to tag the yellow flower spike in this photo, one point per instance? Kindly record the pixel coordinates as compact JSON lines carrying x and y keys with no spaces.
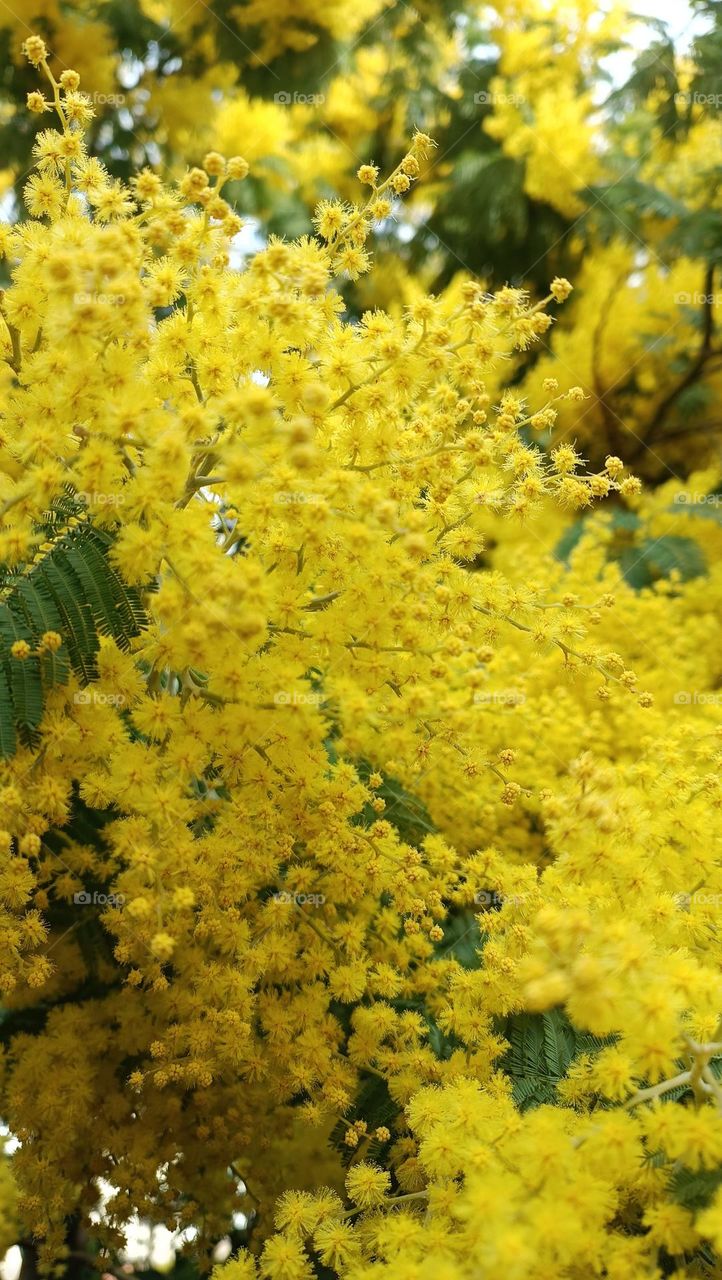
{"x":237,"y":168}
{"x":368,"y":174}
{"x":367,"y":1185}
{"x":37,"y":103}
{"x":35,"y":50}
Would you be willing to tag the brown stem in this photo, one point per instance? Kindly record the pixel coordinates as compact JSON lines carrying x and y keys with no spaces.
{"x":609,"y":417}
{"x":656,"y":427}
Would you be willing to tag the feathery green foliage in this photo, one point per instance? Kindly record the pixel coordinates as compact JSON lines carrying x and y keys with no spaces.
{"x":74,"y":590}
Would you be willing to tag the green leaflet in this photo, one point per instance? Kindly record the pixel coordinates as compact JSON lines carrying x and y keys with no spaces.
{"x":462,"y":941}
{"x":642,"y":559}
{"x":25,"y":680}
{"x":541,"y":1048}
{"x":76,"y":616}
{"x":42,"y":615}
{"x":8,"y":736}
{"x":75,"y":591}
{"x":694,"y":1188}
{"x":404,"y":811}
{"x":373,"y":1103}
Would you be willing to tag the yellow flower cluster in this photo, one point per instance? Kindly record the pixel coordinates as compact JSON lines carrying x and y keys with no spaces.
{"x":281,"y":24}
{"x":540,"y":114}
{"x":600,"y":895}
{"x":634,"y":384}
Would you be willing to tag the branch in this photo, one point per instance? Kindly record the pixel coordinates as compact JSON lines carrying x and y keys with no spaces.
{"x":659,"y":417}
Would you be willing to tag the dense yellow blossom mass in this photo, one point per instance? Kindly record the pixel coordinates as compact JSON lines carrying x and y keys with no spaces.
{"x":540,"y":113}
{"x":370,"y":888}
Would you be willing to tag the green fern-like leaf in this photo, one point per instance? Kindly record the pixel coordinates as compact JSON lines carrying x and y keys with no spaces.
{"x":75,"y":591}
{"x":541,"y":1048}
{"x":694,"y":1188}
{"x":76,"y":617}
{"x":8,"y":737}
{"x":25,"y":679}
{"x":373,"y":1103}
{"x":42,"y":615}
